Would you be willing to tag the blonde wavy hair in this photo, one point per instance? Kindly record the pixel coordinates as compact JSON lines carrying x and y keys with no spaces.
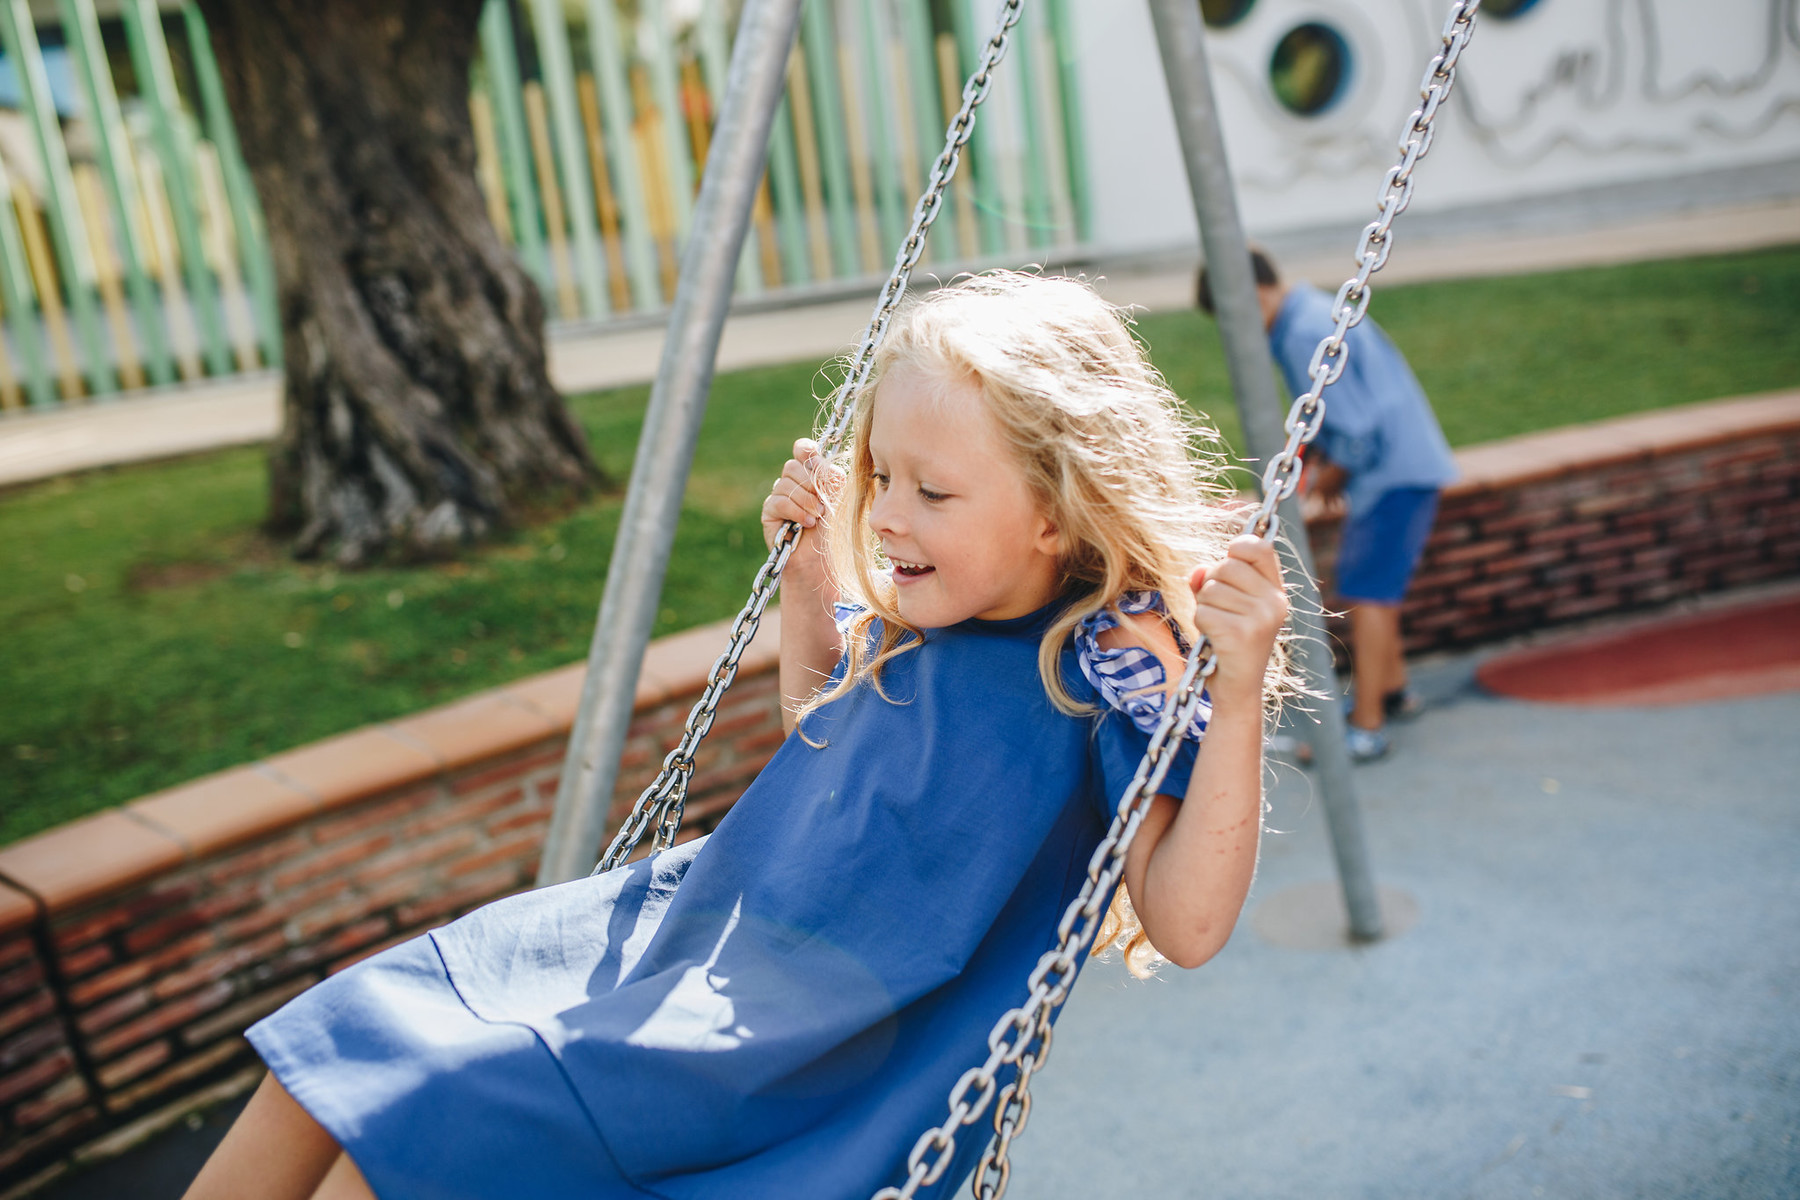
{"x":1131,"y":480}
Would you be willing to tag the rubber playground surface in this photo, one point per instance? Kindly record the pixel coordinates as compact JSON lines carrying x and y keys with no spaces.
{"x":1739,"y":650}
{"x":1594,"y":997}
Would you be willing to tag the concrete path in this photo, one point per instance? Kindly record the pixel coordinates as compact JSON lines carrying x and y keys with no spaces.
{"x":1597,"y":1001}
{"x":247,"y":410}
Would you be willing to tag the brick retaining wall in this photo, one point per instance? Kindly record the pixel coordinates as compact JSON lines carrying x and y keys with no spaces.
{"x":1606,"y":518}
{"x":137,"y":944}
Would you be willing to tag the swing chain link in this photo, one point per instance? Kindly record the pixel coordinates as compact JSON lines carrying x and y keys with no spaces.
{"x":1022,"y":1037}
{"x":660,"y":805}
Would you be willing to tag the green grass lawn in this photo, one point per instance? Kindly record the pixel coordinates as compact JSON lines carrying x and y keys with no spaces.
{"x":152,"y":633}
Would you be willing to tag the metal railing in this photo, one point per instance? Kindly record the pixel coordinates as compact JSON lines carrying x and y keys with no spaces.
{"x":132,"y":248}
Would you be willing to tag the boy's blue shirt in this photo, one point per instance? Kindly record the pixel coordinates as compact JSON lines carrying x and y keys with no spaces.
{"x":1378,"y":424}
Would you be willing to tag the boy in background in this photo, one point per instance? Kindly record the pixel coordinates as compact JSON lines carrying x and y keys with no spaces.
{"x":1384,"y":462}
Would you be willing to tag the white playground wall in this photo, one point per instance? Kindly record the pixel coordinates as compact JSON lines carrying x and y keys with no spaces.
{"x":1570,"y":95}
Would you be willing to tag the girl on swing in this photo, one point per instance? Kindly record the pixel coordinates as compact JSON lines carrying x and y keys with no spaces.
{"x":993,"y":593}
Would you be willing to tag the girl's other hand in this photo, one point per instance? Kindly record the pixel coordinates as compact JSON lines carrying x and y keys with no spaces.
{"x":1240,"y":605}
{"x":803,"y":493}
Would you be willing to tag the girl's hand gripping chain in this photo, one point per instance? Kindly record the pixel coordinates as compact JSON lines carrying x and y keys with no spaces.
{"x":803,"y":492}
{"x":809,"y":637}
{"x":1241,"y":605}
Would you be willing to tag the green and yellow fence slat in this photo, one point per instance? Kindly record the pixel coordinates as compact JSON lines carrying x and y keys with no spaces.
{"x":812,"y":178}
{"x":906,"y":141}
{"x":696,"y":108}
{"x":21,"y":303}
{"x":170,"y":135}
{"x":234,"y":177}
{"x":607,"y":51}
{"x":677,"y":154}
{"x":758,"y":274}
{"x":112,"y":147}
{"x":222,"y":247}
{"x":74,"y":267}
{"x":909,"y":175}
{"x":165,"y":256}
{"x":606,"y":200}
{"x":1009,"y":149}
{"x":1054,"y":169}
{"x":1004,"y":124}
{"x":1038,"y":230}
{"x":983,"y":159}
{"x":488,"y":171}
{"x":12,"y":398}
{"x":875,"y":96}
{"x":1062,"y":30}
{"x":790,"y":200}
{"x":818,"y":38}
{"x":570,"y":157}
{"x":653,"y":164}
{"x":715,"y":63}
{"x":39,"y":258}
{"x":962,"y":188}
{"x":500,"y":57}
{"x":90,"y":195}
{"x":856,"y":139}
{"x":928,"y":119}
{"x":537,"y":120}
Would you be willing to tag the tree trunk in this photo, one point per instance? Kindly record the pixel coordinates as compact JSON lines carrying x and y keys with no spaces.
{"x":419,"y":414}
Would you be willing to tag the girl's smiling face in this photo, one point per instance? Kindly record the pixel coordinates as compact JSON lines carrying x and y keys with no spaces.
{"x":956,"y":519}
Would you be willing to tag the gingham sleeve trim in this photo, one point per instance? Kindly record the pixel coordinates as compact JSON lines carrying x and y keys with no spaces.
{"x":842,"y":614}
{"x":1131,"y":678}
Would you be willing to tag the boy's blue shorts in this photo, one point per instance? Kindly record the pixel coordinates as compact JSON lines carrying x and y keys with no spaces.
{"x":1380,"y":549}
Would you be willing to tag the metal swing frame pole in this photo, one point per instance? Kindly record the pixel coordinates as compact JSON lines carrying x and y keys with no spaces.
{"x":665,"y":452}
{"x":1181,"y":40}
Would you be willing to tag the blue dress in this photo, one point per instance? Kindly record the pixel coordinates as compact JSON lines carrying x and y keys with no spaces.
{"x":789,"y":1021}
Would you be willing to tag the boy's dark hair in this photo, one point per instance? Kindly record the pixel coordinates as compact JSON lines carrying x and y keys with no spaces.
{"x":1260,"y":266}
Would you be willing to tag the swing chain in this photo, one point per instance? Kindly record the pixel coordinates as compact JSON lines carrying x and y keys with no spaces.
{"x":660,"y":805}
{"x":1022,"y":1036}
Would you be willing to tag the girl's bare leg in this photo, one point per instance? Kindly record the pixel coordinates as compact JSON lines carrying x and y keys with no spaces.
{"x":274,"y":1151}
{"x":343,"y":1182}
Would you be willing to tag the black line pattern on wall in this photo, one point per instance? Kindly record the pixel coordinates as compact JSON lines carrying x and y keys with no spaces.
{"x":1606,"y":93}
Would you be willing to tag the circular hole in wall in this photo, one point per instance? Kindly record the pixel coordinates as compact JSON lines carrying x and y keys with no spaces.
{"x":1506,"y":10}
{"x":1223,"y":14}
{"x":1310,"y":69}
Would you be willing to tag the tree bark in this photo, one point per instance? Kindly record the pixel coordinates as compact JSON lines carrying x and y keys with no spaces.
{"x":418,"y":414}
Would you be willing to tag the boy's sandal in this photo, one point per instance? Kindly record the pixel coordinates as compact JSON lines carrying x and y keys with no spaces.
{"x":1365,"y":745}
{"x":1401,"y":705}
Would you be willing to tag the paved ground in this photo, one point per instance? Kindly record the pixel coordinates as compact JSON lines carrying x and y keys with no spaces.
{"x":246,"y":410}
{"x":1596,"y":1000}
